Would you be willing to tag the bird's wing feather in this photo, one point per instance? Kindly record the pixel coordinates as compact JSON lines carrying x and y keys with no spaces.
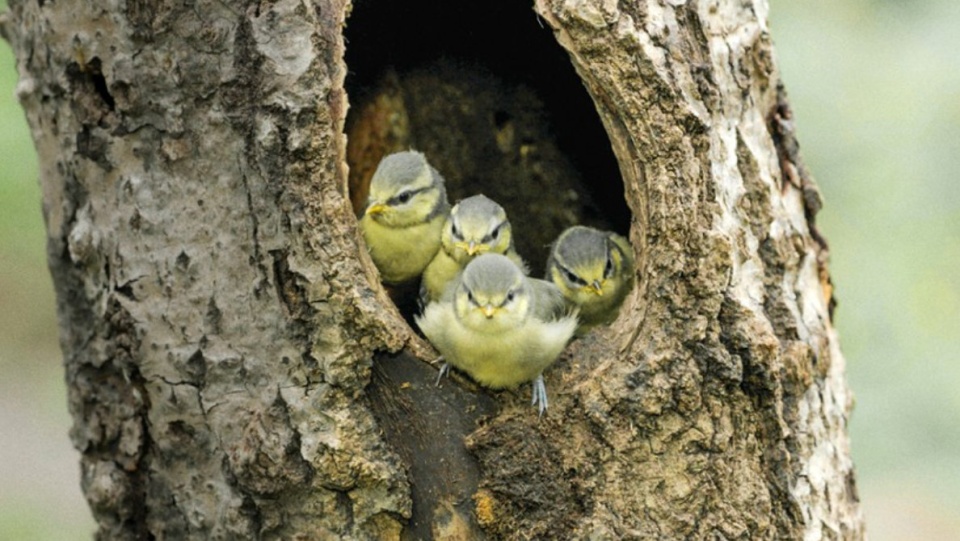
{"x":434,"y":323}
{"x":549,"y":303}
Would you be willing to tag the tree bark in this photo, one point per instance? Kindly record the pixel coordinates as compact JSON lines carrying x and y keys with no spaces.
{"x":235,"y":369}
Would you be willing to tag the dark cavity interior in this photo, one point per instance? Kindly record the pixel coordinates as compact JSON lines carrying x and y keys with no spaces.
{"x":486,"y":92}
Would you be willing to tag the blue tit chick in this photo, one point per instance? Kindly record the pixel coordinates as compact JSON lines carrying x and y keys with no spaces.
{"x":497,"y":325}
{"x":595,"y":270}
{"x":404,"y":216}
{"x":476,"y":225}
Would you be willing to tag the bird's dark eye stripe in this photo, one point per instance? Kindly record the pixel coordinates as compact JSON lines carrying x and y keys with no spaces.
{"x":495,"y":233}
{"x":403,"y":197}
{"x":571,"y":276}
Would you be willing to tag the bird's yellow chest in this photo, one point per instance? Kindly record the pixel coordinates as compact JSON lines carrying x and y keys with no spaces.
{"x":594,"y":305}
{"x":401,"y":253}
{"x":495,"y":360}
{"x":439,"y":274}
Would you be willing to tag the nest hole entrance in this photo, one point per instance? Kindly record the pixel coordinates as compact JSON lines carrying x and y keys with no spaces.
{"x":488,"y":95}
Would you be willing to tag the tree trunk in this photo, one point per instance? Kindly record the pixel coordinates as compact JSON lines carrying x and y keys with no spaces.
{"x":235,"y":369}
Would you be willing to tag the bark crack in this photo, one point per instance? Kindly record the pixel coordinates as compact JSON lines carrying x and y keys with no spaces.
{"x":255,"y":233}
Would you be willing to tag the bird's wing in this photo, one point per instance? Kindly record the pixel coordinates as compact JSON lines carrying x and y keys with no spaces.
{"x":434,"y":323}
{"x":549,"y":303}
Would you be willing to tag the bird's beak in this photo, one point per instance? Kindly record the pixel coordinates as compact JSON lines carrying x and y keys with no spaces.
{"x":376,"y":208}
{"x":597,"y":288}
{"x":472,"y":248}
{"x":488,"y":311}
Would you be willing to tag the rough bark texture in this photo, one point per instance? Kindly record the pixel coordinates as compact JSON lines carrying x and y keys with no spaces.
{"x":216,"y":319}
{"x":220,"y":319}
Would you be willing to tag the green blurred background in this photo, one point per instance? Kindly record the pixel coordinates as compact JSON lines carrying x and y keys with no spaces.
{"x":875,"y":85}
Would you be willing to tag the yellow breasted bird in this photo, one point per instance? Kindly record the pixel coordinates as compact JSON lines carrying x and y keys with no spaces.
{"x":594,"y":270}
{"x":404,"y":216}
{"x":498,"y":325}
{"x":476,"y":225}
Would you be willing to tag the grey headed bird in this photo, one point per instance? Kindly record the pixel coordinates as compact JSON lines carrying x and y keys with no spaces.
{"x":594,"y":270}
{"x":499,"y":326}
{"x":404,"y":216}
{"x":476,"y":225}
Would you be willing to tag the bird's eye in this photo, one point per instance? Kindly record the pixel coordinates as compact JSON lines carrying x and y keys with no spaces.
{"x":404,"y":197}
{"x":456,"y":231}
{"x":496,"y":233}
{"x":608,"y":270}
{"x":470,"y":297}
{"x":510,"y":297}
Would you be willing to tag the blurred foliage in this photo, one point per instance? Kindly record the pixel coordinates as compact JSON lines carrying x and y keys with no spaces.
{"x":875,"y":85}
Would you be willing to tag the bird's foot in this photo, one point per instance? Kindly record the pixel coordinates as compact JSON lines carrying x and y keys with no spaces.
{"x":444,"y":370}
{"x":539,"y":394}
